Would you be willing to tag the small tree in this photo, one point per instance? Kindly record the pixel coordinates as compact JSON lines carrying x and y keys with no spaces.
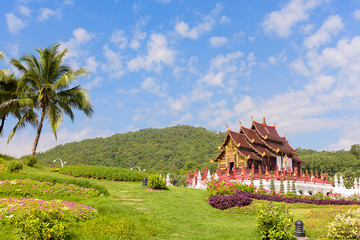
{"x":282,"y":190}
{"x":272,"y":184}
{"x":288,"y":187}
{"x":261,"y":186}
{"x":293,"y":188}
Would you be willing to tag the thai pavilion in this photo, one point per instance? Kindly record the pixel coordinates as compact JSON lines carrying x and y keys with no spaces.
{"x":258,"y":147}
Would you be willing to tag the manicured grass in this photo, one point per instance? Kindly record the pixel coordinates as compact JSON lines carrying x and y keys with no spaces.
{"x":131,"y":212}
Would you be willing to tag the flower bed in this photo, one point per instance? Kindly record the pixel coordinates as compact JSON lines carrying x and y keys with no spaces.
{"x":223,"y":202}
{"x":39,"y":219}
{"x":100,"y":172}
{"x":32,"y":188}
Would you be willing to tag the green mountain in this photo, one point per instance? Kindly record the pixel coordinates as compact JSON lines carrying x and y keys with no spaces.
{"x":168,"y":149}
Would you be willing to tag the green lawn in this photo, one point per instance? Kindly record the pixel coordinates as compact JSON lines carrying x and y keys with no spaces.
{"x":131,"y":212}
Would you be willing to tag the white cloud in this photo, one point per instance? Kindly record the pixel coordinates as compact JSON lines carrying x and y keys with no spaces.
{"x":118,"y":37}
{"x":213,"y":79}
{"x":94,"y":83}
{"x":280,"y":58}
{"x":350,"y":136}
{"x":68,"y":2}
{"x":164,"y":1}
{"x":46,"y":13}
{"x":299,"y":66}
{"x":91,"y":64}
{"x":25,"y":11}
{"x":138,"y":34}
{"x":251,"y":39}
{"x":205,"y":26}
{"x":150,"y":85}
{"x":114,"y":63}
{"x":356,"y":14}
{"x":75,"y":44}
{"x":329,"y":28}
{"x":158,"y":53}
{"x":218,"y":41}
{"x":307,"y":29}
{"x":281,"y":22}
{"x":14,"y":23}
{"x":22,"y":143}
{"x":225,"y":19}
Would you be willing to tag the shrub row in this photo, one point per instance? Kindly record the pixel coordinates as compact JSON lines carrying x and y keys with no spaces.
{"x":33,"y":188}
{"x":101,"y":172}
{"x":238,"y":199}
{"x":42,"y":178}
{"x":297,"y":200}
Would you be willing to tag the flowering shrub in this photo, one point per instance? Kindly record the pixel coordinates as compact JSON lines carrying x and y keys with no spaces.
{"x":100,"y":172}
{"x":30,"y":188}
{"x":14,"y":166}
{"x":39,"y":219}
{"x":274,"y":222}
{"x":157,"y":182}
{"x":226,"y":188}
{"x":223,"y":202}
{"x":345,"y":226}
{"x":43,"y":178}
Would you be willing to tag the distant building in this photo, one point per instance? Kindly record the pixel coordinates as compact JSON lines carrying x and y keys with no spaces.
{"x":258,"y":147}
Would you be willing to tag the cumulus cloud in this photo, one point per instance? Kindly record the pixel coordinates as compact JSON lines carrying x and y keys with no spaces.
{"x":46,"y":13}
{"x":25,"y":10}
{"x":114,"y":63}
{"x":158,"y":53}
{"x":138,"y":34}
{"x":91,"y":64}
{"x":118,"y":37}
{"x":329,"y":28}
{"x":280,"y":58}
{"x":152,"y":86}
{"x":93,"y":83}
{"x":282,"y":21}
{"x":218,"y":41}
{"x":183,"y":29}
{"x":356,"y":14}
{"x":350,"y":136}
{"x":14,"y":23}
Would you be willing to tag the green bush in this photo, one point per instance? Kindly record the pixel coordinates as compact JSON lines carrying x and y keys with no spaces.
{"x":30,"y":161}
{"x":157,"y":182}
{"x":14,"y":166}
{"x":178,"y":180}
{"x":345,"y":226}
{"x":55,"y":169}
{"x":274,"y":222}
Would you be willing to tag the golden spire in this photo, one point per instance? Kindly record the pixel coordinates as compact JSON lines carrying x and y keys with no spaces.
{"x":240,"y":123}
{"x":274,"y":123}
{"x":285,"y":135}
{"x":252,"y":117}
{"x":227,"y":126}
{"x":264,"y":120}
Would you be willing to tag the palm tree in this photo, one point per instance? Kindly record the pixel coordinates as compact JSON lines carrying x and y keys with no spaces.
{"x":10,"y":102}
{"x":45,"y":86}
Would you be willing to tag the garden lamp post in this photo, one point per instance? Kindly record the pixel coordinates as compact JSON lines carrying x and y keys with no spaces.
{"x":62,"y":163}
{"x":138,"y":169}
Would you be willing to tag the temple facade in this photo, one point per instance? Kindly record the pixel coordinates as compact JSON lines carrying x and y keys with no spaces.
{"x":259,"y":147}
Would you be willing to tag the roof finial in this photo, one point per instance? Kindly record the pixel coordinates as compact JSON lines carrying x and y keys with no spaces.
{"x":264,"y":120}
{"x":285,"y":135}
{"x":274,"y":123}
{"x":252,"y":117}
{"x":227,"y":126}
{"x":240,"y":123}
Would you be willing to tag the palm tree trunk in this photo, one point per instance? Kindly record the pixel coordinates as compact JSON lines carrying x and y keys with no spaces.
{"x":2,"y":124}
{"x":37,"y":137}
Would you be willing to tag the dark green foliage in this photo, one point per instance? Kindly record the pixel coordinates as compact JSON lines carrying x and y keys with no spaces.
{"x":44,"y":178}
{"x":288,"y":187}
{"x":261,"y":186}
{"x":157,"y":182}
{"x":14,"y":166}
{"x":355,"y":150}
{"x":168,"y":149}
{"x":30,"y":160}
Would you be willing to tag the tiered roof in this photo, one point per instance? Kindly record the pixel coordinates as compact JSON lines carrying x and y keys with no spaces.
{"x":259,"y":141}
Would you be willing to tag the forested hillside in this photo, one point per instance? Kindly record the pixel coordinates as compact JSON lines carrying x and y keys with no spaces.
{"x":167,"y":149}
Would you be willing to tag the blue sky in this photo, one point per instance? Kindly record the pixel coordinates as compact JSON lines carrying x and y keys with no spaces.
{"x":155,"y":64}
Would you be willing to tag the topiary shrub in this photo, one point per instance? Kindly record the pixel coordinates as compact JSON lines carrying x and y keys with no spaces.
{"x":157,"y":182}
{"x":274,"y":222}
{"x":14,"y":166}
{"x":272,"y":184}
{"x":282,"y":190}
{"x":345,"y":226}
{"x":30,"y":160}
